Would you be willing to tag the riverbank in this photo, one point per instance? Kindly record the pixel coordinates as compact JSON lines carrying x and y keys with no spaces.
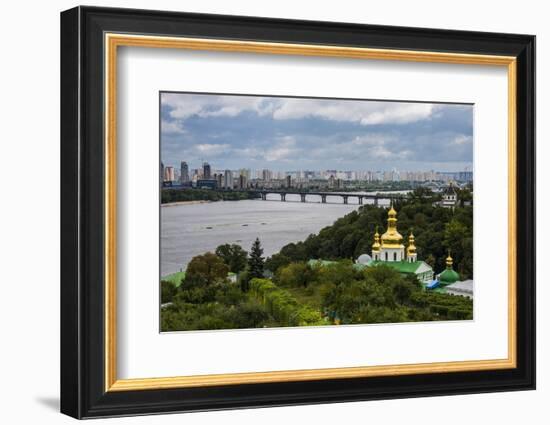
{"x":173,"y":204}
{"x":169,"y":196}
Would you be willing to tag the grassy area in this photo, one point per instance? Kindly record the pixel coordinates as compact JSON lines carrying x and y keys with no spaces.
{"x":175,"y":278}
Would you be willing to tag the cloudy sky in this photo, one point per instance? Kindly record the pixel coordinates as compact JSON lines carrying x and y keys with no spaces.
{"x":283,"y":134}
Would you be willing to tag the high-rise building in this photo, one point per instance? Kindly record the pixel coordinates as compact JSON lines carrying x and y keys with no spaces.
{"x":219,"y":180}
{"x":395,"y":176}
{"x":288,"y":182}
{"x":228,"y":179}
{"x":206,"y":171}
{"x":243,"y":183}
{"x":184,"y":172}
{"x":254,"y":174}
{"x":169,"y":174}
{"x":161,"y":172}
{"x":266,"y":175}
{"x":245,"y":172}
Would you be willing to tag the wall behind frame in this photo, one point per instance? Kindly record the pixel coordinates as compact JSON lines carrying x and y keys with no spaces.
{"x":29,"y":217}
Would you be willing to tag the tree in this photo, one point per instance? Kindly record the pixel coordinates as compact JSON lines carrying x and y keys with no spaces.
{"x":378,"y":294}
{"x":340,"y":273}
{"x":456,"y":236}
{"x":420,"y":194}
{"x":205,"y":270}
{"x":464,"y":195}
{"x":276,"y":261}
{"x":404,"y":288}
{"x":430,"y":259}
{"x":244,"y":281}
{"x":167,"y":291}
{"x":297,"y":252}
{"x":233,"y":255}
{"x":256,"y":261}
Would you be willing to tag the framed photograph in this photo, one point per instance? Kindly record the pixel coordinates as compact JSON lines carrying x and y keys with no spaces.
{"x":261,"y":212}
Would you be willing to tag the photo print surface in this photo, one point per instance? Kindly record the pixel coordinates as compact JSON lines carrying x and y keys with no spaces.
{"x":287,"y":211}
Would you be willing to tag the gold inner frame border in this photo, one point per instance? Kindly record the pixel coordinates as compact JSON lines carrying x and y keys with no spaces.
{"x":113,"y":40}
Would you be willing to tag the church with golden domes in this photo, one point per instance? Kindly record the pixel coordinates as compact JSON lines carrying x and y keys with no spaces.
{"x":390,"y":250}
{"x":390,"y":246}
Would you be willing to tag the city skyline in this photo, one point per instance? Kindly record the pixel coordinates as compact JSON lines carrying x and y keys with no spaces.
{"x":206,"y":176}
{"x":290,"y":134}
{"x":199,"y":166}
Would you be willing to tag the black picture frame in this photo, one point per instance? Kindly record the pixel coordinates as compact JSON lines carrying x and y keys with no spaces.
{"x":83,"y":392}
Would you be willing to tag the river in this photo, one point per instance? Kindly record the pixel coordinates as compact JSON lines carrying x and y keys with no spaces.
{"x":193,"y":229}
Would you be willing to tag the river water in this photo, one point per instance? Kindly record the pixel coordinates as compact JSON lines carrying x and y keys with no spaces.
{"x":193,"y":229}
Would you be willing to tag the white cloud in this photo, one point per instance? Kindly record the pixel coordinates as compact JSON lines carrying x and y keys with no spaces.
{"x":368,"y":147}
{"x":183,"y":106}
{"x":172,"y":127}
{"x":283,"y":149}
{"x":400,"y":113}
{"x":363,"y":112}
{"x":373,"y":139}
{"x":213,"y":149}
{"x":248,"y":153}
{"x":462,"y":139}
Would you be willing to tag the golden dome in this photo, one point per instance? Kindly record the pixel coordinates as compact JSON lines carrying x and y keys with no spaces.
{"x":448,"y":275}
{"x":411,"y":249}
{"x":392,"y":238}
{"x":449,"y":260}
{"x":376,"y":244}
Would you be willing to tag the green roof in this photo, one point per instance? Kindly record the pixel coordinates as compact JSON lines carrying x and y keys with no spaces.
{"x":320,"y":263}
{"x":400,"y":266}
{"x":175,"y":278}
{"x":448,"y":276}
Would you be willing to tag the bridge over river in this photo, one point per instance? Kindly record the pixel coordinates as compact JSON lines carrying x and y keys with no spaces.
{"x":323,"y":195}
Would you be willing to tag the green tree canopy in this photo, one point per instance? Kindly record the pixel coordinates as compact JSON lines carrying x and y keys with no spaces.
{"x":276,"y":261}
{"x":233,"y":256}
{"x":167,"y":291}
{"x":296,"y":274}
{"x":380,"y":289}
{"x":436,"y":229}
{"x":205,"y":270}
